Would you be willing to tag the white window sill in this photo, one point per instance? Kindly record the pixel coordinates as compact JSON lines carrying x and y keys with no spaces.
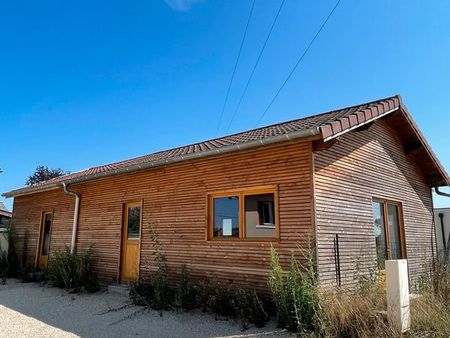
{"x":265,"y":226}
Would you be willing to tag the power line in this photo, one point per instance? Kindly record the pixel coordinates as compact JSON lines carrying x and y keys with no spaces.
{"x":235,"y":66}
{"x":256,"y":65}
{"x":298,"y":62}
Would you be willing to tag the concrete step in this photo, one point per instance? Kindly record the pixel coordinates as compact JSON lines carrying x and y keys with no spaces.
{"x":122,"y":289}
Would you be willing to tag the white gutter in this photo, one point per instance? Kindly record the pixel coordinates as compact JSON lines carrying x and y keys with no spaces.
{"x":314,"y":131}
{"x":75,"y":216}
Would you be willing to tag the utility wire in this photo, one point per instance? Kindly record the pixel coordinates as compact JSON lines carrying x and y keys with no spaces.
{"x":298,"y":63}
{"x":256,"y":65}
{"x":235,"y":66}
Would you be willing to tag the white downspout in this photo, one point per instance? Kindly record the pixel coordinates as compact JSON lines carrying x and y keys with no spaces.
{"x":75,"y":216}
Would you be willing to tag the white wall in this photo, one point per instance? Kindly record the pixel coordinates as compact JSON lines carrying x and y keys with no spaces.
{"x":3,"y":242}
{"x":437,"y":221}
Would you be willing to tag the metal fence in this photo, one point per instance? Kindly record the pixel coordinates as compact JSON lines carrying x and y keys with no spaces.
{"x":356,"y":257}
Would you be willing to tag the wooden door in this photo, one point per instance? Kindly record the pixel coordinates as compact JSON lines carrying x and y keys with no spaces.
{"x":44,"y":243}
{"x":131,"y":233}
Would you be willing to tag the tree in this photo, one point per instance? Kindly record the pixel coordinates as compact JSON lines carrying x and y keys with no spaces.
{"x":43,"y":173}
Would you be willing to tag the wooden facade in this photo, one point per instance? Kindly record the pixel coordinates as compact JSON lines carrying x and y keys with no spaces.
{"x":359,"y":167}
{"x":323,"y":185}
{"x":174,"y":200}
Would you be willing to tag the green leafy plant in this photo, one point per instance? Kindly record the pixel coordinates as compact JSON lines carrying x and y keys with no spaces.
{"x":187,"y":291}
{"x":3,"y":267}
{"x":13,"y":260}
{"x":72,"y":271}
{"x":158,"y":292}
{"x":297,"y":299}
{"x":163,"y":293}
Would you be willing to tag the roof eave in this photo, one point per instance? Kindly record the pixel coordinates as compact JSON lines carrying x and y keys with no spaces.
{"x":300,"y":134}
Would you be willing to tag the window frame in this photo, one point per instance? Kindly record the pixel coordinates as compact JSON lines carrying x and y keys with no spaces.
{"x":401,"y":226}
{"x":44,"y":211}
{"x":241,"y":194}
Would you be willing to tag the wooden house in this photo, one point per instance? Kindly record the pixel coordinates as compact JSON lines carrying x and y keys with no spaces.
{"x":353,"y":185}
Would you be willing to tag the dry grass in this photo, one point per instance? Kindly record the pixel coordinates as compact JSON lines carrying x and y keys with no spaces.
{"x":431,"y":311}
{"x":361,"y":312}
{"x":430,"y":316}
{"x":357,"y":314}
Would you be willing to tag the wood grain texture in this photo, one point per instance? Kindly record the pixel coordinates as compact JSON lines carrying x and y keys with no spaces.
{"x":360,"y":166}
{"x":175,"y":205}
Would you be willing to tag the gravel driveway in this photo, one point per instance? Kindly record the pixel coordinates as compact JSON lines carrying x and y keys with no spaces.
{"x":29,"y":310}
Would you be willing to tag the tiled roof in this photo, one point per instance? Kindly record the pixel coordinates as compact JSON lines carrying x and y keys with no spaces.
{"x":4,"y":211}
{"x":329,"y":125}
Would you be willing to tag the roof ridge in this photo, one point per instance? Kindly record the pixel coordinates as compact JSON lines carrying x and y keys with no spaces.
{"x":238,"y":133}
{"x":329,"y":123}
{"x":307,"y":117}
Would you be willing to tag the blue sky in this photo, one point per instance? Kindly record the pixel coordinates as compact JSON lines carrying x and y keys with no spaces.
{"x":87,"y":83}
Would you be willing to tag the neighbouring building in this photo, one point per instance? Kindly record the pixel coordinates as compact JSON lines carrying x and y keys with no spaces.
{"x":353,"y":185}
{"x":5,"y":220}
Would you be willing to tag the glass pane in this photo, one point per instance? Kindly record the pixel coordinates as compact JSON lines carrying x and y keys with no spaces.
{"x":134,"y":222}
{"x":380,"y":237}
{"x":226,"y":216}
{"x":260,"y":216}
{"x":394,"y":232}
{"x":46,"y":234}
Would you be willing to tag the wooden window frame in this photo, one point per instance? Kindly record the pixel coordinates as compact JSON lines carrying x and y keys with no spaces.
{"x":241,"y":194}
{"x":41,"y":231}
{"x":401,"y":226}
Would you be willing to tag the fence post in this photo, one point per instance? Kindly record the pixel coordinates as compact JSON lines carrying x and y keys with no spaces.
{"x":337,"y":260}
{"x":397,"y":287}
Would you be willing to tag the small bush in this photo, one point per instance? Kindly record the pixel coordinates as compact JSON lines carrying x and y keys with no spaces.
{"x":225,"y":302}
{"x":13,"y":265}
{"x":159,"y":293}
{"x":3,"y":267}
{"x":299,"y":308}
{"x":72,"y":271}
{"x":141,"y":292}
{"x":187,"y":291}
{"x":250,"y":308}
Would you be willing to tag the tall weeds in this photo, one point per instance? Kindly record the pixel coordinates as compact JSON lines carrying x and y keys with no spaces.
{"x":299,"y":307}
{"x":72,"y":271}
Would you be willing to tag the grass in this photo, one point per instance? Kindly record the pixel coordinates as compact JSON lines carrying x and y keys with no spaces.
{"x":361,"y":312}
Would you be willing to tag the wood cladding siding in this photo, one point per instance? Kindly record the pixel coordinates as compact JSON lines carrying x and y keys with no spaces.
{"x":360,"y":166}
{"x":28,"y":210}
{"x":175,"y":205}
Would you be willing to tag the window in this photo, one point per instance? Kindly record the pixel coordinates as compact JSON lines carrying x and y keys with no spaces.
{"x":134,"y":222}
{"x":46,"y":234}
{"x":388,"y":229}
{"x":244,"y":214}
{"x":226,"y":216}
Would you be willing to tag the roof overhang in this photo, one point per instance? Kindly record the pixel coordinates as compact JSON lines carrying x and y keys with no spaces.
{"x":415,"y":143}
{"x":295,"y":135}
{"x":356,"y":118}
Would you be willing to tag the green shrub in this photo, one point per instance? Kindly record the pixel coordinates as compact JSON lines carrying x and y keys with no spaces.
{"x":187,"y":291}
{"x":299,"y":308}
{"x":72,"y":271}
{"x":158,"y":293}
{"x":250,"y":308}
{"x":3,"y":267}
{"x":13,"y":260}
{"x":141,"y":292}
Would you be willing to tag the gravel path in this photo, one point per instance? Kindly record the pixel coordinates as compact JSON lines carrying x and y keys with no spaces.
{"x":29,"y":310}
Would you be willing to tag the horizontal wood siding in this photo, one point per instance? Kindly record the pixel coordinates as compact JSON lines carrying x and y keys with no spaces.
{"x":360,"y":166}
{"x":175,"y":204}
{"x":26,"y":220}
